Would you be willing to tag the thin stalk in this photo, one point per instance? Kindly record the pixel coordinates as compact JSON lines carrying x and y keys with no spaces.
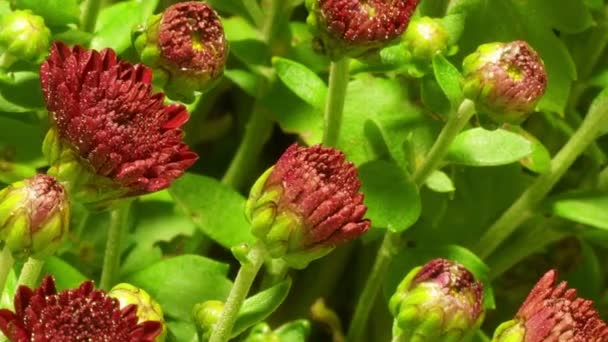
{"x":391,"y":243}
{"x":244,"y":279}
{"x":89,"y":15}
{"x":255,"y":12}
{"x":338,"y":82}
{"x":520,"y":209}
{"x":30,"y":272}
{"x":6,"y":265}
{"x":119,"y":221}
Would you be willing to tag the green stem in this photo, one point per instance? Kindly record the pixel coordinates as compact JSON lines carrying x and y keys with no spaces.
{"x":6,"y":265}
{"x":89,"y":15}
{"x":388,"y":249}
{"x":391,"y":243}
{"x":454,"y":125}
{"x":238,"y":293}
{"x":338,"y":82}
{"x":30,"y":272}
{"x":119,"y":221}
{"x":255,"y":12}
{"x":521,"y":208}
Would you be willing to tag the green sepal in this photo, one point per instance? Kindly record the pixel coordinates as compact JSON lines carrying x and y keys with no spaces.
{"x":510,"y":331}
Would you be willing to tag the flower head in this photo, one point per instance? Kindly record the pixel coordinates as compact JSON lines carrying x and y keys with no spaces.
{"x":506,"y":80}
{"x":307,"y":203}
{"x":438,"y":301}
{"x":554,"y":313}
{"x":109,"y":130}
{"x":82,"y":314}
{"x":352,"y":27}
{"x":187,"y":42}
{"x":34,"y":216}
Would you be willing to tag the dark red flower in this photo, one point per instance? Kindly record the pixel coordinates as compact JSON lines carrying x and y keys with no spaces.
{"x":309,"y":199}
{"x":82,"y":314}
{"x":105,"y":111}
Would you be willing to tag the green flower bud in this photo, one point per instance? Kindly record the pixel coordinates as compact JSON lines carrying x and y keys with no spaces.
{"x":206,"y":315}
{"x":440,"y":301}
{"x":262,"y":333}
{"x":23,"y":35}
{"x":292,"y":331}
{"x":553,"y":312}
{"x":187,"y":48}
{"x":34,"y":216}
{"x":424,"y":38}
{"x":506,"y":80}
{"x":306,"y":204}
{"x":147,"y":308}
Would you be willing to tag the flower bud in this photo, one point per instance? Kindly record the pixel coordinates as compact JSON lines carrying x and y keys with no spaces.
{"x":187,"y":44}
{"x":206,"y":315}
{"x":306,"y":204}
{"x":110,"y":136}
{"x":506,"y":80}
{"x":147,"y":308}
{"x":354,"y":27}
{"x":34,"y":216}
{"x":553,"y":313}
{"x":23,"y":35}
{"x":424,"y":38}
{"x":291,"y":331}
{"x":440,"y":301}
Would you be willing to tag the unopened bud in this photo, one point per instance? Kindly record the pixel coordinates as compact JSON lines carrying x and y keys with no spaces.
{"x":147,"y":308}
{"x":206,"y":315}
{"x":24,"y":36}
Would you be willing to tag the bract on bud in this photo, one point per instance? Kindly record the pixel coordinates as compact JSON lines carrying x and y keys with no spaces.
{"x":424,"y":38}
{"x":505,"y":80}
{"x":553,"y":313}
{"x":81,"y":314}
{"x":306,"y":204}
{"x":34,"y":216}
{"x":110,"y":136}
{"x":187,"y":48}
{"x":440,"y":301}
{"x":147,"y":308}
{"x":206,"y":315}
{"x":354,"y":27}
{"x":23,"y":36}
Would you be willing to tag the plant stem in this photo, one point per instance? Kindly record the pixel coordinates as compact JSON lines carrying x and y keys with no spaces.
{"x":89,"y":15}
{"x":6,"y":265}
{"x":244,"y":279}
{"x":388,"y":249}
{"x":30,"y":272}
{"x":338,"y":82}
{"x":255,"y":12}
{"x":519,"y":210}
{"x":454,"y":125}
{"x":119,"y":221}
{"x":392,"y":241}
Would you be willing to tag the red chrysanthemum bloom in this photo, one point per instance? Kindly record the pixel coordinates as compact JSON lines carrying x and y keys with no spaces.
{"x":309,"y":199}
{"x":359,"y":25}
{"x":554,"y":313}
{"x":104,"y":113}
{"x":82,"y":314}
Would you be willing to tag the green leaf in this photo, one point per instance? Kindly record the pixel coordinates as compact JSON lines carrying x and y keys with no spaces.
{"x":433,"y":97}
{"x":217,"y":209}
{"x":590,"y":208}
{"x":480,"y":147}
{"x":258,"y":307}
{"x":302,"y":81}
{"x":296,"y":331}
{"x":182,"y":331}
{"x":66,"y":276}
{"x":448,"y":78}
{"x":246,"y":43}
{"x":245,"y":80}
{"x":439,"y":181}
{"x":587,"y":277}
{"x":54,"y":12}
{"x":570,"y":16}
{"x":8,"y":294}
{"x":180,"y":282}
{"x":115,"y":23}
{"x":390,"y":195}
{"x":539,"y":160}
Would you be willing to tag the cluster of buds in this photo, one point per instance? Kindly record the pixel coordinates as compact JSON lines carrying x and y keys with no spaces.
{"x":110,"y":137}
{"x":34,"y":216}
{"x":440,"y":301}
{"x":553,"y":313}
{"x":505,"y":80}
{"x":187,"y":48}
{"x":23,"y":36}
{"x":81,"y":314}
{"x":306,"y":204}
{"x":354,"y":27}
